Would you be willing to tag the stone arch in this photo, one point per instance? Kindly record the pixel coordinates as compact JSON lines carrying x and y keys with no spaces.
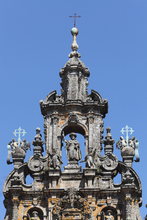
{"x":74,"y":127}
{"x":108,"y":211}
{"x":35,"y":211}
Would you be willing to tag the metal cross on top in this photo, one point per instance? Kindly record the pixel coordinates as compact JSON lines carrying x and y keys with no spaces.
{"x":19,"y":133}
{"x":75,"y":16}
{"x":127,"y":130}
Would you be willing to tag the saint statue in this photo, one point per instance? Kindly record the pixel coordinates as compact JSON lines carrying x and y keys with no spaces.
{"x":35,"y":216}
{"x":73,"y":148}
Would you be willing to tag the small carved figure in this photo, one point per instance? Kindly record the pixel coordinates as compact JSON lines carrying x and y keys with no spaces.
{"x":56,"y":160}
{"x":35,"y":216}
{"x":121,"y":143}
{"x":127,"y":177}
{"x":134,"y":143}
{"x":73,"y":148}
{"x":90,"y":158}
{"x":109,"y":215}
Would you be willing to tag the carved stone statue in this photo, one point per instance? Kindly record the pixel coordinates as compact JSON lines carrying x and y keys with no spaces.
{"x":109,"y":215}
{"x":73,"y":148}
{"x":121,"y":143}
{"x":89,"y":159}
{"x":55,"y":160}
{"x":134,"y":143}
{"x":35,"y":216}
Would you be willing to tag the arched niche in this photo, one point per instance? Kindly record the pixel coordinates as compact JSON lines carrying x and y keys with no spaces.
{"x":108,"y":213}
{"x":74,"y":127}
{"x":67,"y":154}
{"x":35,"y":213}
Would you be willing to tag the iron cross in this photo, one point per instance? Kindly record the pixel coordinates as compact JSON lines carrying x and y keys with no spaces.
{"x":127,"y":130}
{"x":75,"y":16}
{"x":19,"y":133}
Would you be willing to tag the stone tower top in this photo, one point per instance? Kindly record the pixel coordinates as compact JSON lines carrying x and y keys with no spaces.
{"x":74,"y":74}
{"x":63,"y":189}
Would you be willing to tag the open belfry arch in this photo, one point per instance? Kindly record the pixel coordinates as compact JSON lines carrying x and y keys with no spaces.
{"x":64,"y":192}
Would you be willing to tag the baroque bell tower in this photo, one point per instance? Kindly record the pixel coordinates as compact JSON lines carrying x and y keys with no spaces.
{"x":65,"y":192}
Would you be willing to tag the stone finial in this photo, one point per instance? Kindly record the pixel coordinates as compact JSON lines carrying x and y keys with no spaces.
{"x":17,"y":150}
{"x":38,"y":143}
{"x":108,"y":142}
{"x":74,"y":46}
{"x":129,"y":150}
{"x":128,"y":146}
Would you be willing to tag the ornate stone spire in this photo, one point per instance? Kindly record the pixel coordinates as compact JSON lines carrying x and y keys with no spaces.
{"x":74,"y":74}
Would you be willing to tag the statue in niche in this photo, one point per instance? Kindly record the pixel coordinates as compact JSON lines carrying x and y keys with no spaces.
{"x":108,"y":215}
{"x":73,"y":148}
{"x":35,"y":216}
{"x":56,"y":160}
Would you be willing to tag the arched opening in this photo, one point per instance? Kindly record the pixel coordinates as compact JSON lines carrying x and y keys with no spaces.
{"x":74,"y":145}
{"x":73,"y":150}
{"x":35,"y":213}
{"x":117,"y":180}
{"x":74,"y":127}
{"x":108,"y":213}
{"x":29,"y":180}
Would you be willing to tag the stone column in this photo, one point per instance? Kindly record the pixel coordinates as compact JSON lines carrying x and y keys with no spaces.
{"x":49,"y":217}
{"x":90,"y":125}
{"x":48,"y":134}
{"x":128,"y":207}
{"x":15,"y":202}
{"x":54,"y":132}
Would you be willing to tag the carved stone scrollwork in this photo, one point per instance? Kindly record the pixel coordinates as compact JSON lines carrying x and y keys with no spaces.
{"x":35,"y":164}
{"x":110,"y":162}
{"x":127,"y":177}
{"x":72,"y":204}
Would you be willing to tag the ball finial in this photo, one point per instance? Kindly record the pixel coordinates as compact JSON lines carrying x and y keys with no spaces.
{"x":74,"y":31}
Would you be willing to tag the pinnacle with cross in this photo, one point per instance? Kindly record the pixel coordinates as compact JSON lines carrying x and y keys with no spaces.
{"x":127,"y":130}
{"x":19,"y":133}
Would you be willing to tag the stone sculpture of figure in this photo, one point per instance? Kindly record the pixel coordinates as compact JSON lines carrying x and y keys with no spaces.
{"x":127,"y":177}
{"x":73,"y":148}
{"x":109,"y":215}
{"x":134,"y":143}
{"x":121,"y":143}
{"x":35,"y":216}
{"x":56,"y":160}
{"x":89,"y":159}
